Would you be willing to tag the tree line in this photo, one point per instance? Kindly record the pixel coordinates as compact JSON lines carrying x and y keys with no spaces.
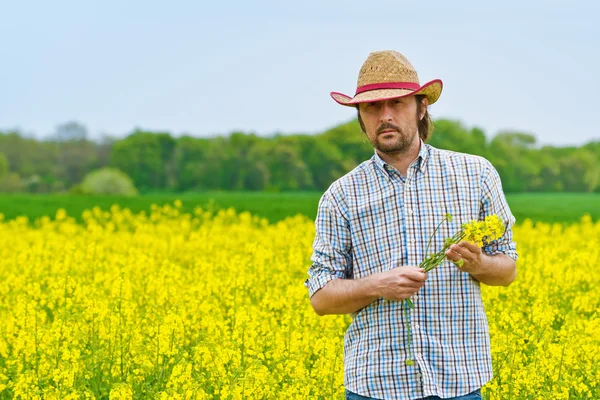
{"x":158,"y":161}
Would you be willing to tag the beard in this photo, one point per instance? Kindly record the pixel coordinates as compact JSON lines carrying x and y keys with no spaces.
{"x":401,"y":143}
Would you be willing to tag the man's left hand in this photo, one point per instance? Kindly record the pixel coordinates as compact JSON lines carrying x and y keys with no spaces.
{"x":468,"y":252}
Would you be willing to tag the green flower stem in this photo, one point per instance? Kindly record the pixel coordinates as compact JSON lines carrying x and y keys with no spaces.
{"x":409,"y":361}
{"x":436,"y":259}
{"x":446,"y":217}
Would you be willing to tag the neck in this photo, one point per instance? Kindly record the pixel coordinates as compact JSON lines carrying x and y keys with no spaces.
{"x":402,"y":160}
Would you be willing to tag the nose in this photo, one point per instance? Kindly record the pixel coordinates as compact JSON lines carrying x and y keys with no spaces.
{"x":386,"y":112}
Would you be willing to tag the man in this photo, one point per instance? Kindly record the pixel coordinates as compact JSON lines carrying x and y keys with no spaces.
{"x":372,"y":229}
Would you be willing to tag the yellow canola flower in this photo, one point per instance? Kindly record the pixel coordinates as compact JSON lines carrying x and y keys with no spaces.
{"x":481,"y":232}
{"x":211,"y":305}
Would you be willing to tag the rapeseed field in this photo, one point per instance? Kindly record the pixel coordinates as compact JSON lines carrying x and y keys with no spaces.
{"x":211,"y":305}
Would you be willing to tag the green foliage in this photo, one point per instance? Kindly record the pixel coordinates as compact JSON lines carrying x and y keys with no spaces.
{"x":3,"y":165}
{"x":108,"y":181}
{"x":27,"y":156}
{"x":452,"y":135}
{"x":189,"y":155}
{"x":326,"y":162}
{"x":351,"y":141}
{"x":145,"y":157}
{"x":240,"y":161}
{"x":9,"y":181}
{"x":580,"y":171}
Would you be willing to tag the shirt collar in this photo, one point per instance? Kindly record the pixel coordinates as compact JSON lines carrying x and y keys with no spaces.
{"x":421,"y":160}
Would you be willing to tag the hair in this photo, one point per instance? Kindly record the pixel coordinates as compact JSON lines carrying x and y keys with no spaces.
{"x":424,"y":125}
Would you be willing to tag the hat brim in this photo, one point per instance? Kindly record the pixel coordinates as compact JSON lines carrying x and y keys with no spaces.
{"x":432,"y":90}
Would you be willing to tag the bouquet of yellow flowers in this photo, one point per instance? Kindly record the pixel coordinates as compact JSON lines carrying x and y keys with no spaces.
{"x":476,"y":232}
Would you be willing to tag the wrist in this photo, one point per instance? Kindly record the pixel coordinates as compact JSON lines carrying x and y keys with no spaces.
{"x":371,"y":286}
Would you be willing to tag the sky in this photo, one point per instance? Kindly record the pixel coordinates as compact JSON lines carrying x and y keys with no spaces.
{"x":209,"y":68}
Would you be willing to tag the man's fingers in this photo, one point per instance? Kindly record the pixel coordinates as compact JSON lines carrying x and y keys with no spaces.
{"x":452,"y":255}
{"x":416,"y":275}
{"x":413,"y":286}
{"x":461,"y":252}
{"x":469,"y":246}
{"x":411,"y":272}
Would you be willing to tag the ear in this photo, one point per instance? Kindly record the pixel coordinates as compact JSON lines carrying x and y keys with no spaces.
{"x":425,"y":103}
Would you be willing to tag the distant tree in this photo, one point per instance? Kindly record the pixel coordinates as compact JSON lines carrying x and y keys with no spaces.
{"x":287,"y":169}
{"x":73,"y":156}
{"x":9,"y":181}
{"x":478,"y":139}
{"x":215,"y":169}
{"x":77,"y":157}
{"x":579,"y":171}
{"x":352,"y":143}
{"x":3,"y":165}
{"x":108,"y":181}
{"x":28,"y":156}
{"x":144,"y":157}
{"x":187,"y":155}
{"x":594,"y":148}
{"x":453,"y":135}
{"x":104,"y":149}
{"x":243,"y":157}
{"x":548,"y":179}
{"x":70,"y":131}
{"x":257,"y":175}
{"x":326,"y":163}
{"x":515,"y":157}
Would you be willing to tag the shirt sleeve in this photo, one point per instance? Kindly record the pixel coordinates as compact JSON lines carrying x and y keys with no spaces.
{"x":493,"y":201}
{"x":331,"y":248}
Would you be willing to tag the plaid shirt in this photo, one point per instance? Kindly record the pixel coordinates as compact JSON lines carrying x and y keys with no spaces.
{"x":374,"y":219}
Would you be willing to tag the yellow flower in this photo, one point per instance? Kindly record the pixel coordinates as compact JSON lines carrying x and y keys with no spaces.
{"x":480,"y":232}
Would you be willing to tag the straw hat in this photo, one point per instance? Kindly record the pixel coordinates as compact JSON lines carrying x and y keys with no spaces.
{"x":388,"y":75}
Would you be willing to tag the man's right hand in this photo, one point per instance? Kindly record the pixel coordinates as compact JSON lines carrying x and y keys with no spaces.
{"x":399,"y":283}
{"x":345,"y":296}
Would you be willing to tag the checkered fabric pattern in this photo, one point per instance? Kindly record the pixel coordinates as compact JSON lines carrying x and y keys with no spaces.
{"x":374,"y":219}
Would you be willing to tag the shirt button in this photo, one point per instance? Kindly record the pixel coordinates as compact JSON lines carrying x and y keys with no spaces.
{"x":417,"y":326}
{"x":416,"y":296}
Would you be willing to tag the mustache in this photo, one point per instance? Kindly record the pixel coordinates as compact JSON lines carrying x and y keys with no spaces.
{"x":386,"y":127}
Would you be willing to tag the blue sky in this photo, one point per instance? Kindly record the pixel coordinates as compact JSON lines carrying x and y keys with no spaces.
{"x":207,"y":69}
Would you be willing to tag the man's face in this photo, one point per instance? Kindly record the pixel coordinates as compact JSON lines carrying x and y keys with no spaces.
{"x":391,"y":125}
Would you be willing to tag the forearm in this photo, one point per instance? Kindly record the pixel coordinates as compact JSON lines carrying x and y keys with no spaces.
{"x":496,"y":270}
{"x":345,"y":296}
